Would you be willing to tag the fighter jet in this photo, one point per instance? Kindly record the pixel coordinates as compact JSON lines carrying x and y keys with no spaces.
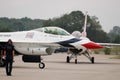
{"x":43,"y":41}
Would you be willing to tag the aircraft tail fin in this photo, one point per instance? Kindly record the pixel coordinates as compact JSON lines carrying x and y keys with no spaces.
{"x":84,"y":34}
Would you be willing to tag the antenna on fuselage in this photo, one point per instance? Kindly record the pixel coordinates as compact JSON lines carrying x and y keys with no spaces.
{"x":84,"y":34}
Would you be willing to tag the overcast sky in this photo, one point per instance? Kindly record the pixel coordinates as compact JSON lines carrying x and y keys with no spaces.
{"x":107,"y":11}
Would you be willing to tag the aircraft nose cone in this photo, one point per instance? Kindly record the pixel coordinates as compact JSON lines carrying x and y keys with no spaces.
{"x":92,"y":45}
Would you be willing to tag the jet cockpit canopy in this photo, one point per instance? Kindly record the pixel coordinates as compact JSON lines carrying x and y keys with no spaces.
{"x":53,"y":30}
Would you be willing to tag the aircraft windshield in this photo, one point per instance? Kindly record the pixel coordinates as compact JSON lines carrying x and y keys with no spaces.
{"x":55,"y":30}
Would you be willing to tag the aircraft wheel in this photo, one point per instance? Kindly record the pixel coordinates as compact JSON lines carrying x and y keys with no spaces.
{"x":41,"y":65}
{"x":92,"y":60}
{"x":68,"y":59}
{"x":75,"y":61}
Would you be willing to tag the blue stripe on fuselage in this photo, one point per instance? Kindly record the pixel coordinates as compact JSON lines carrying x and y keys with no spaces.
{"x":67,"y":42}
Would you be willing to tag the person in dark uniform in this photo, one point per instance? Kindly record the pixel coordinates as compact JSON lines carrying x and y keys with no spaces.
{"x":9,"y":54}
{"x":0,"y":53}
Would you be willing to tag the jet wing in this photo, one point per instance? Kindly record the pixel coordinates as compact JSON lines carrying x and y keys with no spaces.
{"x":109,"y":44}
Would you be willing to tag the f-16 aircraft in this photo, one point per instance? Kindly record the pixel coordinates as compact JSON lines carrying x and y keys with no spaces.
{"x":43,"y":41}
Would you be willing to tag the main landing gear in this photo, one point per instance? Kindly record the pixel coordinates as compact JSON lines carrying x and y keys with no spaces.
{"x":87,"y":54}
{"x":72,"y":56}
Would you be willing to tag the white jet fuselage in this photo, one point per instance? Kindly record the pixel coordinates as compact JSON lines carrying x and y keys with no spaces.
{"x":35,"y":42}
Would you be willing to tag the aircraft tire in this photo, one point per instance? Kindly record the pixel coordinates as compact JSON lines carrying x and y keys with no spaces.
{"x":75,"y":61}
{"x":41,"y":65}
{"x":68,"y":59}
{"x":92,"y":60}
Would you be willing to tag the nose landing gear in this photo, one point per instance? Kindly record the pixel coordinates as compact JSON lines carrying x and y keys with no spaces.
{"x":41,"y":64}
{"x":74,"y":55}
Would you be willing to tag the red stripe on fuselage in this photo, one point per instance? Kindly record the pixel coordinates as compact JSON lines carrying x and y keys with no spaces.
{"x":92,"y":45}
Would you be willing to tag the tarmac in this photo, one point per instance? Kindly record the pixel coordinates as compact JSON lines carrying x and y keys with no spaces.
{"x":57,"y":69}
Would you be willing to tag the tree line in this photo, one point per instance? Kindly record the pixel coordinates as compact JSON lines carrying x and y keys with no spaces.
{"x":70,"y":22}
{"x":7,"y":25}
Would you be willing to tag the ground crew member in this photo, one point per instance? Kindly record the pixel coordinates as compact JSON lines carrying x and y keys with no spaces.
{"x":9,"y":54}
{"x":0,"y":51}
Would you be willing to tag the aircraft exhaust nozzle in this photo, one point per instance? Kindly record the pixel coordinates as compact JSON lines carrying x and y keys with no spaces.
{"x":49,"y":51}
